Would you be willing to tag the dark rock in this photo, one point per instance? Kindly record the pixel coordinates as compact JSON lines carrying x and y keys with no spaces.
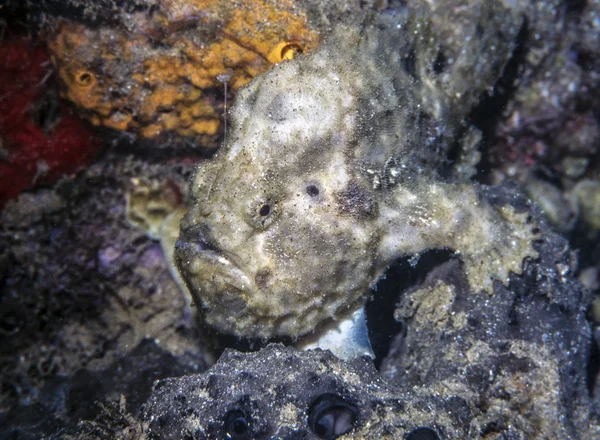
{"x":287,"y":394}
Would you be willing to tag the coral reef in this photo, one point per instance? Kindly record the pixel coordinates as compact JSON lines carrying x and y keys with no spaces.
{"x":503,"y":351}
{"x":156,"y":207}
{"x":507,"y":366}
{"x":501,"y":377}
{"x":148,"y":204}
{"x":546,"y":134}
{"x":544,"y":130}
{"x":91,"y":313}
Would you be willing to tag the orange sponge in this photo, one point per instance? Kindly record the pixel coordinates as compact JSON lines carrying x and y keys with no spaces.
{"x":165,"y":72}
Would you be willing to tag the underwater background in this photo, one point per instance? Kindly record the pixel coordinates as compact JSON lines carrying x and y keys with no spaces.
{"x":108,"y":108}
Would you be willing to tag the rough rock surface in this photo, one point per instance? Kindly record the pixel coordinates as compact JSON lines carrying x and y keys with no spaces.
{"x":521,"y":354}
{"x":275,"y":391}
{"x":87,"y":305}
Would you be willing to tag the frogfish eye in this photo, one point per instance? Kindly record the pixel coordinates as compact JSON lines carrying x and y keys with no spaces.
{"x":237,"y":425}
{"x":262,"y":212}
{"x":330,"y":416}
{"x":312,"y":190}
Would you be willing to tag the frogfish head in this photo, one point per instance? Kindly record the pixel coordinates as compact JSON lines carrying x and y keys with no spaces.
{"x":281,"y":234}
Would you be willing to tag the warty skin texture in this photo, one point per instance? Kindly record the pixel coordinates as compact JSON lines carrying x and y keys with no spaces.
{"x":328,"y":176}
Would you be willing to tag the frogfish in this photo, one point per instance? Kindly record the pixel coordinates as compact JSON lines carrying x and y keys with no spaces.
{"x":336,"y":165}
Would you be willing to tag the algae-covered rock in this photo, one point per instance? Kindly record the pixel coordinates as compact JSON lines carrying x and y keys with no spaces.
{"x":283,"y":393}
{"x":524,"y":351}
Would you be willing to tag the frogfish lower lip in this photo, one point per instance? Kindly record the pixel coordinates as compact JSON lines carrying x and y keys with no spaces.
{"x":210,"y":267}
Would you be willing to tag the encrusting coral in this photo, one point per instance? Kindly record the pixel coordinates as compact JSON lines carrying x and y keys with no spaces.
{"x":168,"y":69}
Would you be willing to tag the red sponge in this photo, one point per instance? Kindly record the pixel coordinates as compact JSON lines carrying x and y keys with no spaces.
{"x":40,"y":139}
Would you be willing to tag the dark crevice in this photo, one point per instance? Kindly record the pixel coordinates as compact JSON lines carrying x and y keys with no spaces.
{"x":101,"y":12}
{"x":575,"y":6}
{"x":409,"y":64}
{"x":168,"y":149}
{"x":488,"y":112}
{"x":402,"y":275}
{"x":441,"y":63}
{"x":593,"y":367}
